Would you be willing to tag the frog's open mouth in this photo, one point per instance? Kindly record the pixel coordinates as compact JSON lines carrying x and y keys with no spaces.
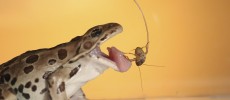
{"x":116,"y":56}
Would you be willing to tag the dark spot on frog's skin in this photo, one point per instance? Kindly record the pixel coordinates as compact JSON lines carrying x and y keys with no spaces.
{"x":43,"y":90}
{"x":61,"y":67}
{"x":28,"y":69}
{"x":7,"y":77}
{"x":73,"y":72}
{"x":70,"y":62}
{"x":46,"y":74}
{"x":62,"y":54}
{"x":34,"y":88}
{"x":13,"y":81}
{"x":62,"y":87}
{"x":52,"y":61}
{"x":16,"y":90}
{"x":26,"y":95}
{"x":28,"y":84}
{"x":36,"y":80}
{"x":102,"y":39}
{"x":87,"y":45}
{"x":32,"y":59}
{"x":78,"y":49}
{"x":20,"y":88}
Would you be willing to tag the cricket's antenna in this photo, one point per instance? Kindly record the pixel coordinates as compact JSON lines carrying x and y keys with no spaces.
{"x":142,"y":54}
{"x":146,"y":26}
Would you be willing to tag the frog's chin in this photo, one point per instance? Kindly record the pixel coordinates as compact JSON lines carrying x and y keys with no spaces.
{"x":115,"y":59}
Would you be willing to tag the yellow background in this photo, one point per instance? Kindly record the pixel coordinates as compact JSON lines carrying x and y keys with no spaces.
{"x":189,"y":37}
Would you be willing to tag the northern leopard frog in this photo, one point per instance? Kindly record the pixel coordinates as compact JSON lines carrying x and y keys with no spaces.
{"x":58,"y":73}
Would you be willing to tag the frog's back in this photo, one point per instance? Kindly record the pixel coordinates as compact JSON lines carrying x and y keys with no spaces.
{"x":27,"y":72}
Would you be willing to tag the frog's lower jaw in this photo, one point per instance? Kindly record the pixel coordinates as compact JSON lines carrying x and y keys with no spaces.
{"x":91,"y":67}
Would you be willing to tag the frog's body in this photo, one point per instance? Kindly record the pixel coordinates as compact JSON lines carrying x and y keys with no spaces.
{"x":57,"y":73}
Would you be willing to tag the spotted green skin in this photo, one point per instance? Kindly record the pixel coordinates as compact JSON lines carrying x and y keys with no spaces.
{"x":44,"y":74}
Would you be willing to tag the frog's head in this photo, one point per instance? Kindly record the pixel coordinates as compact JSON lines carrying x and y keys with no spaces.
{"x":91,"y":59}
{"x":95,"y":36}
{"x":90,"y":45}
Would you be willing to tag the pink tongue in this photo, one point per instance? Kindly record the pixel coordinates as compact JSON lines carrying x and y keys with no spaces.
{"x":118,"y":57}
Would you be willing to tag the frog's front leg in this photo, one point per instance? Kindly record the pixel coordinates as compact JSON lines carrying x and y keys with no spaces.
{"x":56,"y":83}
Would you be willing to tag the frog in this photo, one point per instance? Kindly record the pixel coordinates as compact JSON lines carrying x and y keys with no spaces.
{"x":59,"y":72}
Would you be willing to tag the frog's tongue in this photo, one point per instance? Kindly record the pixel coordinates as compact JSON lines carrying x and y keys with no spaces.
{"x":118,"y":57}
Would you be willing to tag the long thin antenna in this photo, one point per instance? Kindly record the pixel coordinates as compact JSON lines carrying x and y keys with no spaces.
{"x":146,"y":26}
{"x":147,"y":45}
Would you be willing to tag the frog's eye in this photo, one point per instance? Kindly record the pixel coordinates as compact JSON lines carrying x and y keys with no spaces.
{"x":96,"y":32}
